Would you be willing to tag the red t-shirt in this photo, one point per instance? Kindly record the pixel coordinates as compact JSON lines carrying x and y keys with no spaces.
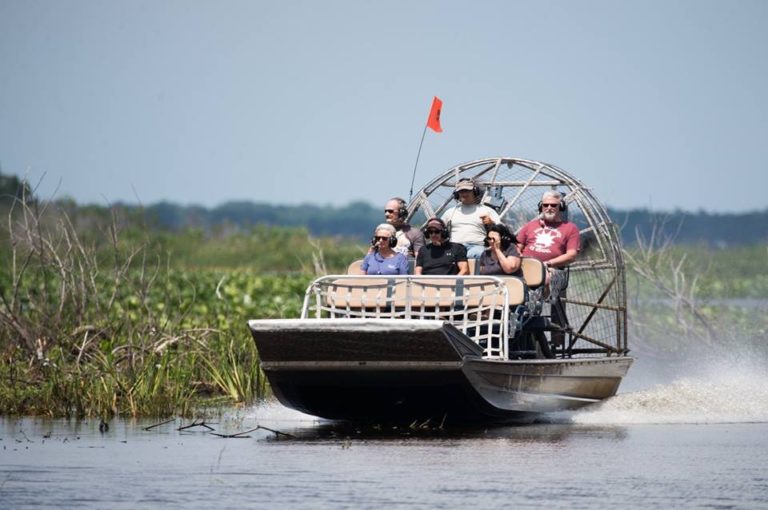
{"x":548,"y":241}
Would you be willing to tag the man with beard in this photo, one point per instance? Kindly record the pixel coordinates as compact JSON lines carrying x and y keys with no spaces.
{"x":556,"y":243}
{"x":549,"y":238}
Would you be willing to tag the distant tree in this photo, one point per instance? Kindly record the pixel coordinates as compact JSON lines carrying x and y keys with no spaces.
{"x":710,"y":229}
{"x":11,"y":187}
{"x":356,"y":220}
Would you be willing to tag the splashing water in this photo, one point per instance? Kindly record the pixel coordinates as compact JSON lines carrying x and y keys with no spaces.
{"x":730,"y":396}
{"x":275,"y":412}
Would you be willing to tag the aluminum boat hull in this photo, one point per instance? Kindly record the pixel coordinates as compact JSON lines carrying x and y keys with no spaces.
{"x":417,"y":370}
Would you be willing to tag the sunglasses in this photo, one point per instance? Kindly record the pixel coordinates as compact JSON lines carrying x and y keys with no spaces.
{"x":553,"y":206}
{"x":381,"y":238}
{"x":433,"y":231}
{"x":389,"y":211}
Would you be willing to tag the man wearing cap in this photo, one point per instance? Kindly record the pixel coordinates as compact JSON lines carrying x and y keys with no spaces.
{"x":467,"y":221}
{"x":440,"y":256}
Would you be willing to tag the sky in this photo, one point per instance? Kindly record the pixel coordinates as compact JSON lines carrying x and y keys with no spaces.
{"x":652,"y":104}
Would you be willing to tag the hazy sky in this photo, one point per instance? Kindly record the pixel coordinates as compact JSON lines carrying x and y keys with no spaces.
{"x":658,"y":104}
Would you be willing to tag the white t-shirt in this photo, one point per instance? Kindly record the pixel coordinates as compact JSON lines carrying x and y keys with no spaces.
{"x":465,"y":224}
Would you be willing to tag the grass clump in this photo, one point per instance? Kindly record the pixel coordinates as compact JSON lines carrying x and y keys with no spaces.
{"x":708,"y":297}
{"x":101,"y":318}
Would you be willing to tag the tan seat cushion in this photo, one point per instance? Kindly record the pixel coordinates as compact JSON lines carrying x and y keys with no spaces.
{"x":533,"y":272}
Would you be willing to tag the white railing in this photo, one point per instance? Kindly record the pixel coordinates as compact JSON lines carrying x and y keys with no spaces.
{"x":478,"y":306}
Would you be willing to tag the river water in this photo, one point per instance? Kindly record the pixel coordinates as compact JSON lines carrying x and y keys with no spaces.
{"x":675,"y":436}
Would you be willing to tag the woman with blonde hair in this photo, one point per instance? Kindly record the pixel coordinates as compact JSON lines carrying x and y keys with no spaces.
{"x":382,"y":258}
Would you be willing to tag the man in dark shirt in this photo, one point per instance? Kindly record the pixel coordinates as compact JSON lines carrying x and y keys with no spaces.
{"x":440,"y":256}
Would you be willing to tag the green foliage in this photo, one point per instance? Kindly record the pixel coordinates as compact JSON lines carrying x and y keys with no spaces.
{"x":733,"y":273}
{"x":12,"y":188}
{"x":262,"y":249}
{"x":681,"y":296}
{"x":155,"y":352}
{"x":99,"y":317}
{"x":237,"y":373}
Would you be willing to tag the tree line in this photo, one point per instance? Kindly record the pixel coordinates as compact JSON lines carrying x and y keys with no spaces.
{"x":357,"y":219}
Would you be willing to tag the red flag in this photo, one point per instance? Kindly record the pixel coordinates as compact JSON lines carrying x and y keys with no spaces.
{"x":434,"y":116}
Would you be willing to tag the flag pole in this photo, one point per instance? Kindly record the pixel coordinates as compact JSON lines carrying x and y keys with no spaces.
{"x":433,"y":122}
{"x":413,"y":179}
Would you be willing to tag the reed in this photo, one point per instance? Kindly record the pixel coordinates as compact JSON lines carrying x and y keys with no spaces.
{"x":235,"y":372}
{"x":681,"y":292}
{"x":109,"y":327}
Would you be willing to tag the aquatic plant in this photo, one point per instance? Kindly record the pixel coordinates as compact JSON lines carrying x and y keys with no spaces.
{"x":690,"y":294}
{"x":115,"y":326}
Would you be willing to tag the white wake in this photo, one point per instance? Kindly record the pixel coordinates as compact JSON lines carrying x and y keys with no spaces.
{"x":730,"y":396}
{"x":274,"y":412}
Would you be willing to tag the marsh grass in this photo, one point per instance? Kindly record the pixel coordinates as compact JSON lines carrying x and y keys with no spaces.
{"x":236,"y":374}
{"x":690,"y":294}
{"x":101,"y":325}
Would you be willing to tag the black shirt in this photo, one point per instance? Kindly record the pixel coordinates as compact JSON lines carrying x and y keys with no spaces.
{"x":441,"y":259}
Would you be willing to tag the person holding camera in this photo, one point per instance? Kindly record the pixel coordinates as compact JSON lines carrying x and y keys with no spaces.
{"x":500,"y":256}
{"x":382,"y":258}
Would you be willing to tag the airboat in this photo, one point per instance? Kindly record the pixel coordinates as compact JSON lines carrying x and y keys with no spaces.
{"x":461,"y":349}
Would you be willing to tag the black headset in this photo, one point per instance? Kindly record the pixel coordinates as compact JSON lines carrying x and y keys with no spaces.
{"x":444,"y":233}
{"x":563,"y":205}
{"x":505,"y":236}
{"x":392,"y":241}
{"x":402,"y":211}
{"x":475,"y":189}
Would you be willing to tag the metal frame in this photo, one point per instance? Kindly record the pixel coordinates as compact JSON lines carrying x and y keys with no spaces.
{"x":596,"y":299}
{"x":478,"y":306}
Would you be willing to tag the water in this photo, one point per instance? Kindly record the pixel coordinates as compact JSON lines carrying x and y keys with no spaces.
{"x":688,"y":432}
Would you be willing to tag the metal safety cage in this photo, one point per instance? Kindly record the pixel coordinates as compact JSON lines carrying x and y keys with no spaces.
{"x":596,"y":294}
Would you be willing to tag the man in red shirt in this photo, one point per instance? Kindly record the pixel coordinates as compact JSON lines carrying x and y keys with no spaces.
{"x":549,"y":238}
{"x":555,"y":242}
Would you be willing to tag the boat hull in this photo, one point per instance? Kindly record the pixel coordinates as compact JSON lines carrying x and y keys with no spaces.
{"x":413,"y":370}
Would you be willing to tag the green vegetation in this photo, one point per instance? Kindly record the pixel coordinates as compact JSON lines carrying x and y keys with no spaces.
{"x":103,"y":312}
{"x":99,"y":316}
{"x":684,"y":296}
